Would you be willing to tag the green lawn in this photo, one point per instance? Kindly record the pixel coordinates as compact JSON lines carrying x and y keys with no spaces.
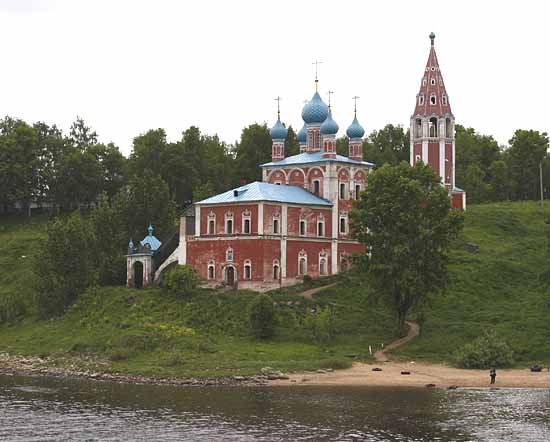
{"x":154,"y":332}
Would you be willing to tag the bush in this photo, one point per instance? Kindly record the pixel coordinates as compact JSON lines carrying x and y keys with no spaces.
{"x":12,"y":308}
{"x":485,"y":352}
{"x":182,"y":279}
{"x":261,"y":314}
{"x":320,"y":324}
{"x":308,"y":280}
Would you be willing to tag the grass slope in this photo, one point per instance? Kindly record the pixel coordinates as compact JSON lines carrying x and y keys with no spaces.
{"x":156,"y":333}
{"x":497,"y":288}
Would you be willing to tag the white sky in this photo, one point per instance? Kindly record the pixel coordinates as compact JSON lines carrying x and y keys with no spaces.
{"x":130,"y":66}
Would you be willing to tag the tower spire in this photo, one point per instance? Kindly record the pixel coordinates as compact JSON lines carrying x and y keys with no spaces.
{"x":432,"y":37}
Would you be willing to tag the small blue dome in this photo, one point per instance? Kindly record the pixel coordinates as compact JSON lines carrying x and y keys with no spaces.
{"x":315,"y":111}
{"x":355,"y":130}
{"x":329,"y":126}
{"x":302,"y":135}
{"x":278,"y":132}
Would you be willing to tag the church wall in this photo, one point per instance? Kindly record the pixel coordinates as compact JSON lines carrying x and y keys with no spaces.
{"x":312,"y":249}
{"x":433,"y":157}
{"x":237,"y":210}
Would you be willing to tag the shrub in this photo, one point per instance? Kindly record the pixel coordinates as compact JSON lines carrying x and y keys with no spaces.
{"x":485,"y":352}
{"x":320,"y":324}
{"x":182,"y":279}
{"x":261,"y":314}
{"x":308,"y":280}
{"x":12,"y":308}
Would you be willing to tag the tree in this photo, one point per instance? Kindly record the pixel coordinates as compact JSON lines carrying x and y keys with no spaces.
{"x":147,"y":153}
{"x":82,"y":136}
{"x":292,"y":146}
{"x":499,"y":184}
{"x":404,"y":220}
{"x":112,"y":164}
{"x":147,"y":200}
{"x":390,"y":145}
{"x":205,"y":190}
{"x":261,"y":314}
{"x":253,"y":149}
{"x":65,"y":264}
{"x":527,"y":150}
{"x":478,"y":190}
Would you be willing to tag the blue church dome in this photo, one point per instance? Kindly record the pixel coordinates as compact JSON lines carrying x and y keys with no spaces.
{"x":278,"y":132}
{"x":355,"y":130}
{"x":302,"y":135}
{"x":329,"y":126}
{"x":315,"y":111}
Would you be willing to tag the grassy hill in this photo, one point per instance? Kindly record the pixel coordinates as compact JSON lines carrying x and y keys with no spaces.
{"x":154,"y":332}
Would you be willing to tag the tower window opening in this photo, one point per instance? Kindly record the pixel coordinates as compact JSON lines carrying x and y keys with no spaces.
{"x":433,"y":82}
{"x":433,"y":127}
{"x":418,"y":128}
{"x":276,"y":226}
{"x":421,"y":100}
{"x":444,"y":100}
{"x":433,"y":100}
{"x":448,"y":128}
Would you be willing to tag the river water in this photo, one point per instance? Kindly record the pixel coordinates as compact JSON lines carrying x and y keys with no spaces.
{"x":40,"y":409}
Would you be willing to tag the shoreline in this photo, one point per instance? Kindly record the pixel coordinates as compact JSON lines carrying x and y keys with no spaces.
{"x":422,"y":375}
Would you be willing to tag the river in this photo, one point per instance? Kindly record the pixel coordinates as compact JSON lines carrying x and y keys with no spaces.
{"x":41,"y":409}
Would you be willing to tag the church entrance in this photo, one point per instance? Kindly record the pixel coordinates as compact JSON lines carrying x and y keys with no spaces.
{"x":138,"y":275}
{"x":230,"y":276}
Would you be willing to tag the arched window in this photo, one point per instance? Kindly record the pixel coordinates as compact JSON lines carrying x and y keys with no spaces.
{"x":418,"y":128}
{"x":444,"y":100}
{"x":229,"y":223}
{"x":432,"y":82}
{"x":433,"y":100}
{"x":421,"y":99}
{"x":247,"y":222}
{"x":247,"y":269}
{"x":211,"y":269}
{"x":433,"y":127}
{"x":302,"y":263}
{"x":323,"y":263}
{"x":211,"y":223}
{"x":320,"y":228}
{"x":229,"y":255}
{"x":276,"y":224}
{"x":303,"y":229}
{"x":317,"y":187}
{"x":342,"y":191}
{"x":343,"y":225}
{"x":276,"y":269}
{"x":357,"y":191}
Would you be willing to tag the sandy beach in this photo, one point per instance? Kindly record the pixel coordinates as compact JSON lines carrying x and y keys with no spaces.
{"x":421,"y":375}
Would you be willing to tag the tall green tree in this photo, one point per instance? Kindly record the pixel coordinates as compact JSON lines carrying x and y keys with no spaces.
{"x":500,"y":183}
{"x":527,"y":150}
{"x":82,"y":136}
{"x":404,"y":220}
{"x":253,"y":149}
{"x":147,"y":153}
{"x":147,"y":200}
{"x":292,"y":146}
{"x":390,"y":145}
{"x":65,"y":264}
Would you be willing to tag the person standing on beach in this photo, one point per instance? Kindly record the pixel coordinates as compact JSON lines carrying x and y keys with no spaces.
{"x":493,"y":374}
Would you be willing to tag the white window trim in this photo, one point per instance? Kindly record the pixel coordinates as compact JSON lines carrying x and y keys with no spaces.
{"x":229,"y":253}
{"x":276,"y":264}
{"x":278,"y":230}
{"x":211,"y":218}
{"x":300,"y":227}
{"x":346,"y":228}
{"x":229,"y":217}
{"x":247,"y":263}
{"x":247,"y":217}
{"x":302,"y":255}
{"x":345,"y":191}
{"x":435,"y":100}
{"x":421,"y":99}
{"x":322,"y":222}
{"x":323,"y":257}
{"x":360,"y":189}
{"x":211,"y":265}
{"x":316,"y":180}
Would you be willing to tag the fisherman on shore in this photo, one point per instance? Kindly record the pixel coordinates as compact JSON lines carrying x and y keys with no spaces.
{"x":493,"y":374}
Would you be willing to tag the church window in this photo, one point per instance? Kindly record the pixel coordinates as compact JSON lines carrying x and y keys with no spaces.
{"x":433,"y":127}
{"x":211,"y":269}
{"x":229,"y":255}
{"x":342,"y":191}
{"x":276,"y":269}
{"x":424,"y":81}
{"x":418,"y":158}
{"x":322,"y":266}
{"x":433,"y":100}
{"x":448,"y":128}
{"x":317,"y":187}
{"x":320,"y":228}
{"x":247,"y":220}
{"x":433,"y":82}
{"x":302,"y":263}
{"x":440,"y":81}
{"x":421,"y":100}
{"x":444,"y":100}
{"x":247,"y":269}
{"x":343,"y":225}
{"x":229,"y":223}
{"x":302,"y":227}
{"x":275,"y":226}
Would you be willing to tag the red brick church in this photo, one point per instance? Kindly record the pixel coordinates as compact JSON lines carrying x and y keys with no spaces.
{"x":295,"y":222}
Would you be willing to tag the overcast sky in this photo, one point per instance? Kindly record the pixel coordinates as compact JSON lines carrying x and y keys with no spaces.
{"x":130,"y":66}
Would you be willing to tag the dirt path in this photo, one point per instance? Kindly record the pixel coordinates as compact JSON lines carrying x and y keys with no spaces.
{"x":414,"y":331}
{"x":309,"y":293}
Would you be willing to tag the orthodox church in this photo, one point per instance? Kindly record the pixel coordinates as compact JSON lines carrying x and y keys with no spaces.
{"x":295,"y":222}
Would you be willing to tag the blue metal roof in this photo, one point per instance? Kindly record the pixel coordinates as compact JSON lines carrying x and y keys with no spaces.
{"x":329,"y":126}
{"x":278,"y":132}
{"x":315,"y":111}
{"x":258,"y":191}
{"x":355,"y":130}
{"x":151,"y":239}
{"x":315,"y":157}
